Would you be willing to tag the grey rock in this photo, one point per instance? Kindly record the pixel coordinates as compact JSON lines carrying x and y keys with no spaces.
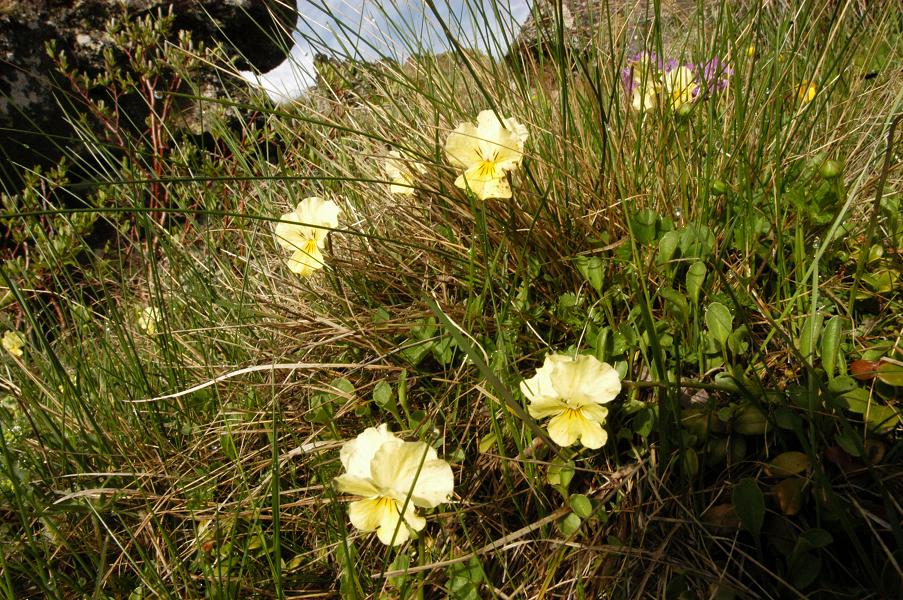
{"x":33,"y":130}
{"x":582,"y":23}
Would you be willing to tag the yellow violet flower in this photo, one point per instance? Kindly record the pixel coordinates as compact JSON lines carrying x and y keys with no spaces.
{"x":303,"y":232}
{"x":680,"y":83}
{"x":643,"y":100}
{"x":572,"y":392}
{"x":806,"y":92}
{"x":486,"y":152}
{"x":390,"y":475}
{"x":148,"y":319}
{"x":13,"y":342}
{"x":401,"y":173}
{"x":641,"y":77}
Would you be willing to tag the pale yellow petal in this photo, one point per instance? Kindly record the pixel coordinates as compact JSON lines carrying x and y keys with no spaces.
{"x":367,"y":515}
{"x":592,"y":434}
{"x":498,"y":143}
{"x":681,"y":86}
{"x":594,"y":412}
{"x":319,"y":217}
{"x":289,"y":234}
{"x":462,"y":147}
{"x":540,"y":385}
{"x":355,"y":485}
{"x":13,"y":342}
{"x":413,"y":468}
{"x":545,"y":407}
{"x":482,"y":187}
{"x":562,"y":430}
{"x":383,"y":515}
{"x":519,"y":130}
{"x":306,"y":260}
{"x":411,"y":518}
{"x":643,"y":101}
{"x":392,"y":531}
{"x":571,"y":426}
{"x":357,"y":454}
{"x":399,"y":174}
{"x":584,"y":380}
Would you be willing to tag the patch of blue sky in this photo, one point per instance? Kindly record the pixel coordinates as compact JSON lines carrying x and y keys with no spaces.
{"x":395,"y":29}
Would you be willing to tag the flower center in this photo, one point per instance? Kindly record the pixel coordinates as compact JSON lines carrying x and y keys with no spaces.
{"x":487,"y":169}
{"x":310,"y":246}
{"x":573,"y":413}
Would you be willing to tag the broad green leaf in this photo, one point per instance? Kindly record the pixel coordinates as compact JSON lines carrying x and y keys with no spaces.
{"x":677,"y":302}
{"x":881,"y":418}
{"x":787,"y":464}
{"x":593,"y":270}
{"x":643,"y":225}
{"x":814,"y":539}
{"x":786,"y":418}
{"x":719,"y":321}
{"x":486,"y":443}
{"x":809,"y":335}
{"x":401,"y":563}
{"x":831,"y":339}
{"x":749,"y":503}
{"x":560,"y":474}
{"x":581,"y":505}
{"x":383,"y":395}
{"x":570,"y":524}
{"x":695,"y":278}
{"x":890,"y":373}
{"x":667,"y":246}
{"x":850,"y":442}
{"x":804,"y":570}
{"x":842,"y":384}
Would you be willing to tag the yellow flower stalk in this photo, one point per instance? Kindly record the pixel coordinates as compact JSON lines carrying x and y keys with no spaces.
{"x":680,"y":84}
{"x":13,"y":342}
{"x":486,"y":152}
{"x":393,"y":478}
{"x":303,"y":232}
{"x":806,"y":92}
{"x":402,"y":173}
{"x":572,"y":392}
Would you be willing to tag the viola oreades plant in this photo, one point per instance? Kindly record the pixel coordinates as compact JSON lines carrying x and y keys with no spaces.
{"x":13,"y":342}
{"x":394,"y":478}
{"x":806,"y":92}
{"x":148,"y":319}
{"x":303,"y":233}
{"x":680,"y":83}
{"x":402,"y":173}
{"x":573,"y":390}
{"x":486,"y":152}
{"x":641,"y":80}
{"x":646,"y":77}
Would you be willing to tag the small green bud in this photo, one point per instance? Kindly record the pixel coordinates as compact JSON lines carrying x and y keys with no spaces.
{"x":831,"y":169}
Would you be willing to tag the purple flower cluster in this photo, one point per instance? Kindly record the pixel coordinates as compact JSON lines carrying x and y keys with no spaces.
{"x":711,"y":76}
{"x":715,"y":74}
{"x":631,"y":75}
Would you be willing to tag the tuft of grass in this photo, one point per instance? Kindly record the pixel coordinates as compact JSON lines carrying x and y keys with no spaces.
{"x":749,"y":296}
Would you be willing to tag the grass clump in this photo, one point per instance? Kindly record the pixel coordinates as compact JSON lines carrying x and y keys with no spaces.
{"x":174,"y":424}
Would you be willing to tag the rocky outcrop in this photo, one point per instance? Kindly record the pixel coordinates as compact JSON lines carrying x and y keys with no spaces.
{"x":32,"y":126}
{"x":580,"y":22}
